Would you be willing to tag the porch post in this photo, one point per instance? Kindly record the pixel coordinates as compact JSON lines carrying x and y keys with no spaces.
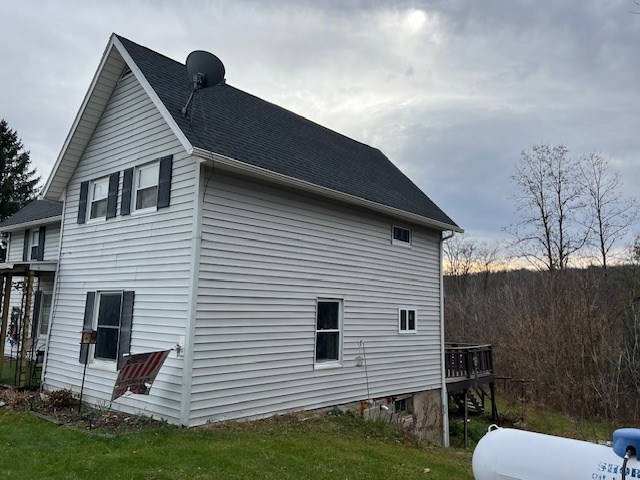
{"x":5,"y":317}
{"x":24,"y":350}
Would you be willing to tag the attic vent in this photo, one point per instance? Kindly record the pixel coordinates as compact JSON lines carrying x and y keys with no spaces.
{"x":126,"y":72}
{"x":204,"y":70}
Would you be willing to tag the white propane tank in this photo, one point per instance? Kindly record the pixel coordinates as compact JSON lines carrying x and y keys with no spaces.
{"x":508,"y":454}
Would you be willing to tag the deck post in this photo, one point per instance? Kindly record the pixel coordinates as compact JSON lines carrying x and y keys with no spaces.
{"x":494,"y":408}
{"x":466,"y":419}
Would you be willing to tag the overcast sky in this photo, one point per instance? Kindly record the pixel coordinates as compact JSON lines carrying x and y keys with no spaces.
{"x":450,"y":91}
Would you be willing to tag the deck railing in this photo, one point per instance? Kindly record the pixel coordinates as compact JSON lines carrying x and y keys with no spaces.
{"x":467,"y":361}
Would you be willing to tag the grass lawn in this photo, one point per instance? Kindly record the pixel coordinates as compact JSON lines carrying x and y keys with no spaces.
{"x":333,"y":447}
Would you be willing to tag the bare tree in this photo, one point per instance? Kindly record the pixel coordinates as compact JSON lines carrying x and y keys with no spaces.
{"x":548,"y":231}
{"x":459,"y":251}
{"x":610,"y":214}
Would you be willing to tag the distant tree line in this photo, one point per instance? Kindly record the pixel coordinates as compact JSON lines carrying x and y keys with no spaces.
{"x":574,"y":331}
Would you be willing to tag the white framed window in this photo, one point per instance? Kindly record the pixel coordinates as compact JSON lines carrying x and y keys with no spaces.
{"x":107,"y":324}
{"x":98,"y":192}
{"x":45,"y":311}
{"x":34,"y":243}
{"x":407,"y":320}
{"x":328,"y":331}
{"x":401,"y":236}
{"x":145,"y":193}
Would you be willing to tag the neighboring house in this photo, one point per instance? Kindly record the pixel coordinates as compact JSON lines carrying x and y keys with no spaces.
{"x":277,"y":255}
{"x":29,"y":272}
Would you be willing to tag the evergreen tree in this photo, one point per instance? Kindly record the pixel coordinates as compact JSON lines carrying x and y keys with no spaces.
{"x":17,"y":179}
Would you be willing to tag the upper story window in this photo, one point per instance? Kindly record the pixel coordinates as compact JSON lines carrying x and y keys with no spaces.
{"x":407,"y":320}
{"x":146,"y":186}
{"x":328,"y":326}
{"x":35,"y":242}
{"x":98,"y":190}
{"x":401,"y":236}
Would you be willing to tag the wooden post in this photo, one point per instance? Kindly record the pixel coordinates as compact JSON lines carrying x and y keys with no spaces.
{"x":24,"y":349}
{"x":5,"y":319}
{"x":494,"y":407}
{"x":466,"y":419}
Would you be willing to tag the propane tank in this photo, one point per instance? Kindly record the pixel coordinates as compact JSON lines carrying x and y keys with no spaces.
{"x":508,"y":454}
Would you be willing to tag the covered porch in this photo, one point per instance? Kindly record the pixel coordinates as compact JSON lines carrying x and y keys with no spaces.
{"x":26,"y":293}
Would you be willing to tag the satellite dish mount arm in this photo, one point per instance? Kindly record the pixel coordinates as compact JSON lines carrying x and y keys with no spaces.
{"x":199,"y":80}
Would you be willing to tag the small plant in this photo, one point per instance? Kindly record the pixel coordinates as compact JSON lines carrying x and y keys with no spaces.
{"x":60,"y":398}
{"x":101,"y":408}
{"x":15,"y":400}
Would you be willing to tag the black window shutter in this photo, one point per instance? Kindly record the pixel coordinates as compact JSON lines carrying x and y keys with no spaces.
{"x":164,"y":182}
{"x":42,"y":234}
{"x":124,"y":343}
{"x":88,"y":323}
{"x":112,"y":197}
{"x":82,"y":207}
{"x":36,"y":314}
{"x":127,"y":185}
{"x":25,"y":248}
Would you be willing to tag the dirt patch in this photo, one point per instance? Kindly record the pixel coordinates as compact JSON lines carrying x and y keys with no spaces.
{"x":102,"y":420}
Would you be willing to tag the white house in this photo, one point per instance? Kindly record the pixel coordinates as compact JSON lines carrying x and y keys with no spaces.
{"x":277,"y":255}
{"x":27,"y":275}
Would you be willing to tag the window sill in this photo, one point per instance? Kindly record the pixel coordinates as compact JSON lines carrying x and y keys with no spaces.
{"x":104,"y":365}
{"x":145,"y":211}
{"x":407,"y":332}
{"x":327,"y":365}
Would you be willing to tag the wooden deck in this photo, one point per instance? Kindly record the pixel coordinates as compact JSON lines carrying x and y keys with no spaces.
{"x":468,"y":366}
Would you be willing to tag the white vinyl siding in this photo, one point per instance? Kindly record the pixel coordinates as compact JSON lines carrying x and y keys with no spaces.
{"x":51,"y":243}
{"x":148,"y":254}
{"x":267,"y":256}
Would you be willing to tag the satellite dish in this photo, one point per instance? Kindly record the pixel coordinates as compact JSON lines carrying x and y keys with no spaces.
{"x":205,"y":70}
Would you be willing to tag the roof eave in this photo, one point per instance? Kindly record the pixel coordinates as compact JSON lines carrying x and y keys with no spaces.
{"x":281,"y":179}
{"x":51,"y":192}
{"x":32,"y":223}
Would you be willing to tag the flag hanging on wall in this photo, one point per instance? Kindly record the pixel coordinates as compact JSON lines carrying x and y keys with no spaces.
{"x":138,"y":373}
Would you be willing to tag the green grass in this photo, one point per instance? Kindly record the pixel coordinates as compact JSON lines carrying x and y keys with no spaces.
{"x":531,"y":417}
{"x":333,"y":447}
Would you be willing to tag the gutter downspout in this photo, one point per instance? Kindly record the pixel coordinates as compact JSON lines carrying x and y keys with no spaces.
{"x":55,"y":296}
{"x":445,"y":396}
{"x":189,"y":341}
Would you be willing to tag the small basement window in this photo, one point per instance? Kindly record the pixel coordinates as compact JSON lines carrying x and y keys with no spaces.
{"x":401,"y":236}
{"x":407,"y":320}
{"x":98,"y":190}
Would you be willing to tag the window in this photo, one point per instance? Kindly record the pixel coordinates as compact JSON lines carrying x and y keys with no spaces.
{"x":33,"y":248}
{"x":108,"y":325}
{"x":146,"y":186}
{"x":328,"y":322}
{"x":407,"y":320}
{"x":35,"y":241}
{"x":45,"y":310}
{"x":401,"y":236}
{"x":98,"y":190}
{"x":111,"y":315}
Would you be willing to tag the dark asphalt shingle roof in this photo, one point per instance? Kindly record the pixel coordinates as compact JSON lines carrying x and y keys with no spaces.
{"x":36,"y":210}
{"x":239,"y":125}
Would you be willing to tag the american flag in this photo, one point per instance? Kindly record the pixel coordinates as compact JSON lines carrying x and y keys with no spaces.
{"x":138,"y":373}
